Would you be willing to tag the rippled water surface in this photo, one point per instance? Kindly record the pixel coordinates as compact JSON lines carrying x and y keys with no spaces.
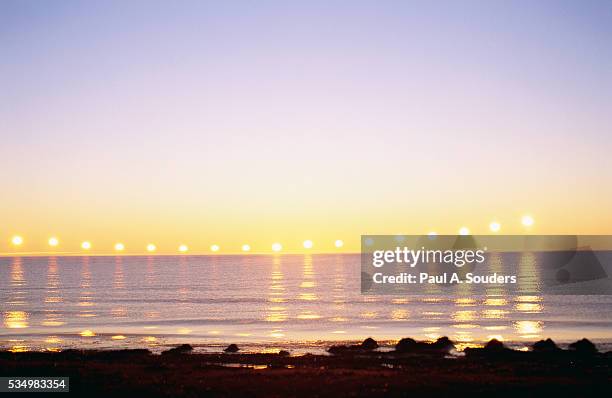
{"x":261,"y":302}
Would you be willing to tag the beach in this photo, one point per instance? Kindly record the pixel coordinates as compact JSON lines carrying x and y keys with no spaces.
{"x":356,"y":372}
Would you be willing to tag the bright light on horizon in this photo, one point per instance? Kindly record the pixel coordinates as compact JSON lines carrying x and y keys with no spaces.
{"x":527,"y":220}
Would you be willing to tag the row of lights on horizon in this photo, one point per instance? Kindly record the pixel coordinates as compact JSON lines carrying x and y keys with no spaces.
{"x":494,"y":226}
{"x":119,"y":247}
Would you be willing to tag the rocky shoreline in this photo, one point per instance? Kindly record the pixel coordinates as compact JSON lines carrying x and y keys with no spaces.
{"x":355,"y":370}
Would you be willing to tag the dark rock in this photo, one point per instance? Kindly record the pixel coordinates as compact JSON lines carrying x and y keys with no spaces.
{"x":369,"y":344}
{"x":406,"y":345}
{"x":339,"y":349}
{"x":182,"y":349}
{"x":494,"y":345}
{"x":441,"y":346}
{"x":493,"y":349}
{"x":583,"y":346}
{"x":232,"y":348}
{"x":545,"y":346}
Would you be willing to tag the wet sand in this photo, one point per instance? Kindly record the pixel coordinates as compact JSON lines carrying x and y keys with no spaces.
{"x":355,"y":373}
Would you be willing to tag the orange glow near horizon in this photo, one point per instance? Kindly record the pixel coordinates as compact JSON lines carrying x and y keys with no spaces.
{"x":200,"y":246}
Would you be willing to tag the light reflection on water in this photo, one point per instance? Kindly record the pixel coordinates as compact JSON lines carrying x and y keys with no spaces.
{"x":54,"y":302}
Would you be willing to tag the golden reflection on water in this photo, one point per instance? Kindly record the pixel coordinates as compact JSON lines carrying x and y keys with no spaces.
{"x":118,"y":277}
{"x":118,"y":286}
{"x":494,"y":313}
{"x":53,"y":282}
{"x":307,"y":286}
{"x":528,"y":273}
{"x":432,"y":299}
{"x":399,"y":314}
{"x":495,"y":301}
{"x":151,"y":274}
{"x":276,"y":312}
{"x":464,"y":316}
{"x":496,"y":327}
{"x":53,"y":340}
{"x":529,"y":329}
{"x":52,"y":344}
{"x":339,"y":292}
{"x":53,"y":298}
{"x":465,"y":326}
{"x":307,"y":296}
{"x":463,"y":320}
{"x":431,"y":332}
{"x":308,"y":315}
{"x":368,"y":315}
{"x":16,"y":319}
{"x":465,"y":302}
{"x":308,"y":282}
{"x":185,"y":279}
{"x":19,"y":348}
{"x":528,"y":304}
{"x":18,"y":283}
{"x":496,"y":264}
{"x":86,"y":295}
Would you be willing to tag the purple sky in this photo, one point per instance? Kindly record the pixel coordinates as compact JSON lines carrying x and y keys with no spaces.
{"x":256,"y":122}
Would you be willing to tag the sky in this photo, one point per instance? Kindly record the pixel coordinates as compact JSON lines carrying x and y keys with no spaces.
{"x":235,"y":122}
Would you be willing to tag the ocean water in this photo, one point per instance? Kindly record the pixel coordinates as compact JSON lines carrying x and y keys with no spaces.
{"x":262,"y":303}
